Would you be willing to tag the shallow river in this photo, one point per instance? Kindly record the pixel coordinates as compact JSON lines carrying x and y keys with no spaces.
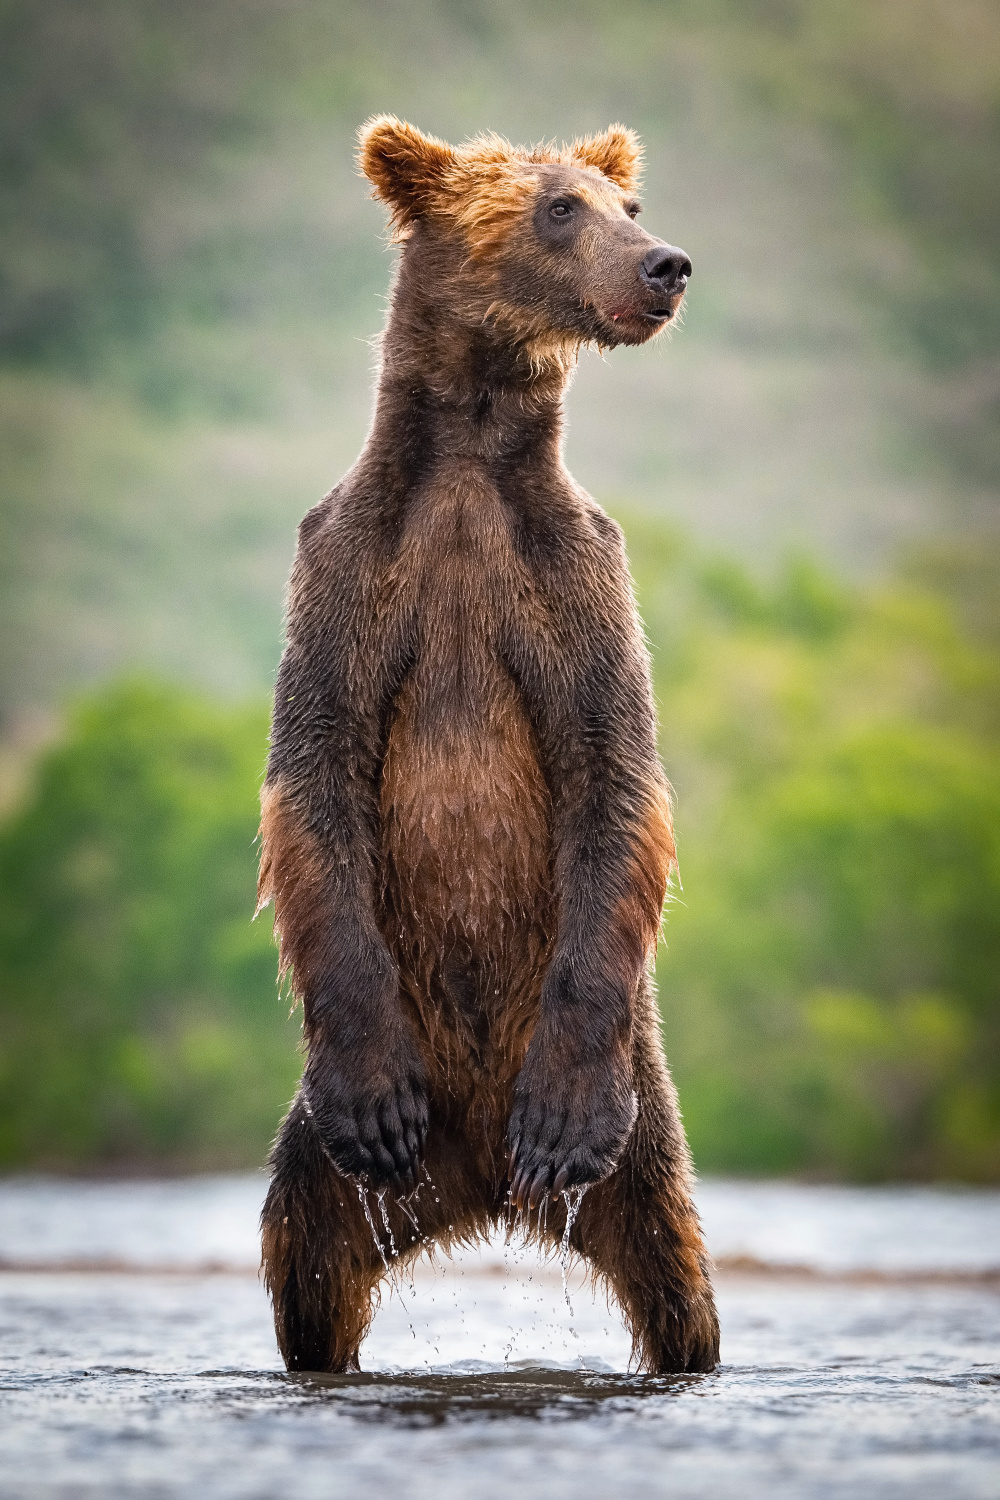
{"x":861,"y":1358}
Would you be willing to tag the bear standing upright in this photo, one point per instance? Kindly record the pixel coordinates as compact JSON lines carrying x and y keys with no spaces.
{"x":466,"y":831}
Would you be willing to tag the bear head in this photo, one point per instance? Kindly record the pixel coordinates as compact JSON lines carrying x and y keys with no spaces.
{"x":541,"y":243}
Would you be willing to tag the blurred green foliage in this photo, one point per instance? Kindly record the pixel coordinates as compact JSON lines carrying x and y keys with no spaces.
{"x":138,"y":1013}
{"x":828,"y":982}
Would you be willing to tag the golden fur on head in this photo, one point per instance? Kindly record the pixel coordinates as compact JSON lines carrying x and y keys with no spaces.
{"x":482,"y":184}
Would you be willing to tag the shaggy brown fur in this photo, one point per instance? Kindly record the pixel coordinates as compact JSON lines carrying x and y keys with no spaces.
{"x":466,"y":831}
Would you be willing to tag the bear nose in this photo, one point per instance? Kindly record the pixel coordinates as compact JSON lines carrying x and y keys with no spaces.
{"x":666,"y":268}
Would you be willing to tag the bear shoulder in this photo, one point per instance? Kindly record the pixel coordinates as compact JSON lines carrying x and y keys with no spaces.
{"x":607,"y":530}
{"x":604,"y":542}
{"x":316,"y":521}
{"x":332,"y":535}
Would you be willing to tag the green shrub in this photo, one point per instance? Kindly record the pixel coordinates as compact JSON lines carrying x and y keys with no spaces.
{"x":138,"y":1016}
{"x":829,"y":976}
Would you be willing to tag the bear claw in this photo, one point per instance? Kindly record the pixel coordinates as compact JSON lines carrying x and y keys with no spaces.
{"x":570,"y":1140}
{"x":381,"y":1141}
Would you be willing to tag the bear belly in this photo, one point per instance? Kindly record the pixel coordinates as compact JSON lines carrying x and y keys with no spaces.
{"x":468,"y":907}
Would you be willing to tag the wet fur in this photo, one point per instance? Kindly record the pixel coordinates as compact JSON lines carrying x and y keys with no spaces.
{"x":465,"y":828}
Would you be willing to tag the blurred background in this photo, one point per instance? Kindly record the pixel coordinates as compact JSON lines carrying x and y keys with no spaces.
{"x":191,"y":278}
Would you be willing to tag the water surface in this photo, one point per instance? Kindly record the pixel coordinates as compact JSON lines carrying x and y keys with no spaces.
{"x":161,"y":1378}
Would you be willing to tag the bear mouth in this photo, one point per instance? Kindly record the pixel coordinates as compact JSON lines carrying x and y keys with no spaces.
{"x":654,"y":315}
{"x":634,"y":325}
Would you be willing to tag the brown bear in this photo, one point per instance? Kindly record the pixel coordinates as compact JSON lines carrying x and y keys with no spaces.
{"x":466,"y":831}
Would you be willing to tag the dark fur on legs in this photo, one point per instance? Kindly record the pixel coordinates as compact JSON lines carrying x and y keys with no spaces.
{"x":321,"y":1264}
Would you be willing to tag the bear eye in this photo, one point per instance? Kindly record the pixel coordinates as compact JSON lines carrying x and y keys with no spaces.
{"x":633,"y":210}
{"x":561,"y":209}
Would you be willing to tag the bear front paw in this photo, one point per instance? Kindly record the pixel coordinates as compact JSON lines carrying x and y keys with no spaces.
{"x":569,"y":1129}
{"x":374,"y":1130}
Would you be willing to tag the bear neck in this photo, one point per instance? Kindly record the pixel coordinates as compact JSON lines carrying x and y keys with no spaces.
{"x":455,"y":383}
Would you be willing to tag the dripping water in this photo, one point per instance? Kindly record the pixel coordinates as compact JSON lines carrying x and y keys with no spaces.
{"x":385,"y":1222}
{"x":572,"y":1197}
{"x":518,"y":1234}
{"x":363,"y":1196}
{"x":384,"y":1216}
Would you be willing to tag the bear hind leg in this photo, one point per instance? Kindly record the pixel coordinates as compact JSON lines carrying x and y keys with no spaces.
{"x":640,"y":1231}
{"x":646,"y":1244}
{"x":322,"y":1260}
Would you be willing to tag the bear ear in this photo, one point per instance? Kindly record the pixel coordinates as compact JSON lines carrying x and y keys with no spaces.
{"x":404,"y":166}
{"x":617,"y":152}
